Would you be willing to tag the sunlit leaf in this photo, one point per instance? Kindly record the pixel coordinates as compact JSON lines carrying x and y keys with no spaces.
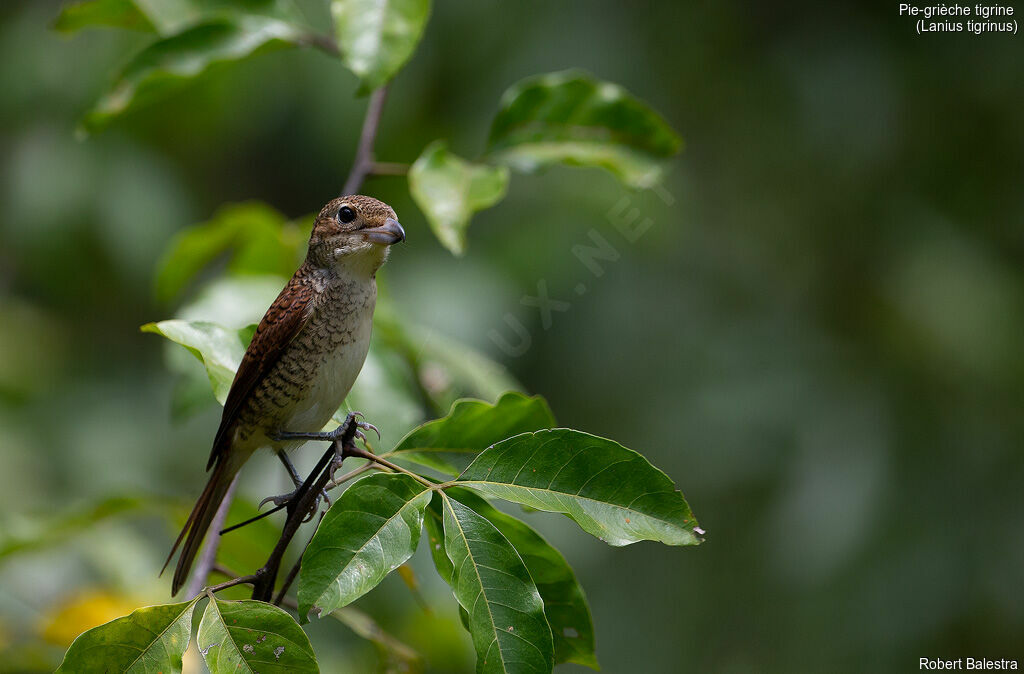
{"x":449,"y":190}
{"x":564,"y":603}
{"x":220,"y":349}
{"x":252,"y":636}
{"x":395,"y":655}
{"x":610,"y":491}
{"x":377,"y":37}
{"x":171,"y":61}
{"x":450,"y":443}
{"x":490,"y":581}
{"x":372,"y":529}
{"x":573,"y":118}
{"x":150,"y":639}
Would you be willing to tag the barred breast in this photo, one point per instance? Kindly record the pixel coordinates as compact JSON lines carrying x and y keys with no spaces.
{"x":318,"y":368}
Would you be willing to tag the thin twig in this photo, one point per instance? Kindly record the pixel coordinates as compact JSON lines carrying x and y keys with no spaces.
{"x":337,"y":482}
{"x":209,"y":554}
{"x":363,"y":454}
{"x":298,"y":507}
{"x":363,"y":162}
{"x":241,"y":580}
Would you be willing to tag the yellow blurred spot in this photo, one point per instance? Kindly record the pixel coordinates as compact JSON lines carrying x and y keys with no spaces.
{"x":82,"y":612}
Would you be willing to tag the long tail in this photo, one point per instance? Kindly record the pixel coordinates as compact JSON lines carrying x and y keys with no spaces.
{"x":199,"y":520}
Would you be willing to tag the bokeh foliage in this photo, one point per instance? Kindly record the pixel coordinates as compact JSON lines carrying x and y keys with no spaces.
{"x":821,"y":330}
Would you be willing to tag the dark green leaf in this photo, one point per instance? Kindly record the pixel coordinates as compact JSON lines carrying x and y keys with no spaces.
{"x":220,"y":349}
{"x":490,"y":581}
{"x":251,"y":636}
{"x":369,"y":532}
{"x":151,"y":639}
{"x":448,"y":444}
{"x":449,"y":190}
{"x":167,"y":63}
{"x":433,"y":521}
{"x":110,"y":13}
{"x":610,"y":491}
{"x":572,"y":118}
{"x":377,"y":37}
{"x":395,"y":656}
{"x":564,"y":603}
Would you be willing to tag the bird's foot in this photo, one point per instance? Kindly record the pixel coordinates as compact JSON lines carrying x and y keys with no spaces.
{"x":282,"y":500}
{"x":352,"y":427}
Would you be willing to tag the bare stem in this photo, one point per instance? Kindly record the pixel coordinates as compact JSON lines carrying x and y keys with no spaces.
{"x":362,"y":165}
{"x":241,"y":580}
{"x":363,"y":454}
{"x":337,"y":482}
{"x":209,"y":554}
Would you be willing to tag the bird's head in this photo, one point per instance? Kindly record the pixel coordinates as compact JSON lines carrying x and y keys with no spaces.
{"x":354,"y":231}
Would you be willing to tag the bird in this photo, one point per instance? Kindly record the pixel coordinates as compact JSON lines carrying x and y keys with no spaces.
{"x":304,"y":356}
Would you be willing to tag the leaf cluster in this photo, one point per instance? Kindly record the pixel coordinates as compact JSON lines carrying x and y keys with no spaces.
{"x":567,"y":117}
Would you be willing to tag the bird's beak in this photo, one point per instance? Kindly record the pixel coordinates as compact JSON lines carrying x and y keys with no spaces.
{"x":388,"y":233}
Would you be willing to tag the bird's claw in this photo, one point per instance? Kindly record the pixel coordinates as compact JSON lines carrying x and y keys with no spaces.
{"x":366,"y":426}
{"x":285,"y":499}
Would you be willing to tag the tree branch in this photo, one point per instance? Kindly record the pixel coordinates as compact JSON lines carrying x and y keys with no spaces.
{"x":362,"y":165}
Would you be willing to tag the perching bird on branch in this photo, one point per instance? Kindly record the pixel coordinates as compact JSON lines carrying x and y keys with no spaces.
{"x":304,"y":356}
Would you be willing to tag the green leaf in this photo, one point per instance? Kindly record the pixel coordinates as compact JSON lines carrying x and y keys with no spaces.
{"x":395,"y":655}
{"x":258,"y":239}
{"x":252,"y":636}
{"x":110,"y":13}
{"x":564,"y":603}
{"x":166,"y":16}
{"x":433,"y":522}
{"x":449,"y":190}
{"x":219,"y":349}
{"x":572,"y":118}
{"x":167,"y":63}
{"x":19,"y":534}
{"x":448,"y":444}
{"x":447,"y":369}
{"x":490,"y":581}
{"x":372,"y":529}
{"x":151,"y":639}
{"x":610,"y":491}
{"x":377,"y":37}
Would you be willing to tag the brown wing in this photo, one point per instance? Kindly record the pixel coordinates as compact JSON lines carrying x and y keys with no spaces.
{"x":283,"y":321}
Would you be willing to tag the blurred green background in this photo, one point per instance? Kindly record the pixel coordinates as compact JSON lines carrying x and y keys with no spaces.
{"x":819,"y":337}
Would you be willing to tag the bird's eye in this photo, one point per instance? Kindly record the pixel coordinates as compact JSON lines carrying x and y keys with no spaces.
{"x":346,"y":214}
